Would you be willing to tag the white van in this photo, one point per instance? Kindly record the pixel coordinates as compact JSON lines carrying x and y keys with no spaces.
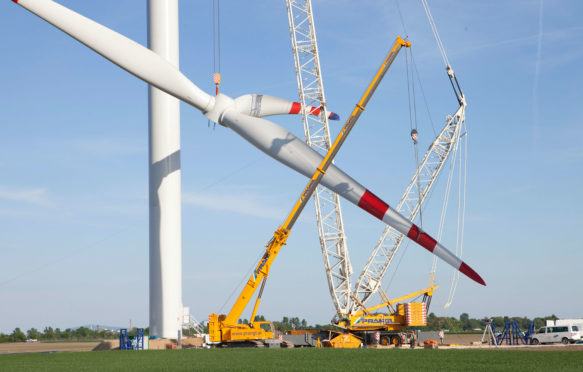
{"x":564,"y":334}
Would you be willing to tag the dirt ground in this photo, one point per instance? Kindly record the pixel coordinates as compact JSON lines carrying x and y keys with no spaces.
{"x":452,"y":342}
{"x":473,"y":340}
{"x":43,"y":347}
{"x":462,"y":339}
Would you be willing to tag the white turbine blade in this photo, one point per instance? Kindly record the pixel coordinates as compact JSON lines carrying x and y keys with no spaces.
{"x":286,"y":148}
{"x":126,"y":53}
{"x":261,"y":105}
{"x":289,"y":150}
{"x":265,"y":135}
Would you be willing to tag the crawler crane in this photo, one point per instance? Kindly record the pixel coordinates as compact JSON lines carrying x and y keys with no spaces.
{"x":351,"y":314}
{"x":361,"y":326}
{"x":224,"y":328}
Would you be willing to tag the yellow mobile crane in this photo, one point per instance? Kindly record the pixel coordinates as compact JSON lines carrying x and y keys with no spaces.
{"x":224,"y":328}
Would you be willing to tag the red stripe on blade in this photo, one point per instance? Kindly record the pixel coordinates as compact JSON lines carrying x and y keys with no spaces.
{"x":373,"y":205}
{"x":315,"y":111}
{"x":470,"y":273}
{"x":295,"y":109}
{"x":421,"y":238}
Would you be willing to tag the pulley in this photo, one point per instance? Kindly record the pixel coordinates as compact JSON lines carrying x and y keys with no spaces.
{"x":414,"y":135}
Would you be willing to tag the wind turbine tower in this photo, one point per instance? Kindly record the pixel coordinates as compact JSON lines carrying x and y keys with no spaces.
{"x":164,"y":184}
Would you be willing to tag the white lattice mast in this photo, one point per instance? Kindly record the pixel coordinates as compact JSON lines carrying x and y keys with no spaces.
{"x":317,"y":134}
{"x":369,"y":280}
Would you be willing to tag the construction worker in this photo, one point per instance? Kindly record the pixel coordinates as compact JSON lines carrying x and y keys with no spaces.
{"x":412,"y":339}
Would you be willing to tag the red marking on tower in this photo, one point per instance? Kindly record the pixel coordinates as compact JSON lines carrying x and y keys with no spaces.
{"x":373,"y":205}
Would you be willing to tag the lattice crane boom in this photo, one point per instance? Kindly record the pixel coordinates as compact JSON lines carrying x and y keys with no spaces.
{"x":317,"y":135}
{"x":384,"y":251}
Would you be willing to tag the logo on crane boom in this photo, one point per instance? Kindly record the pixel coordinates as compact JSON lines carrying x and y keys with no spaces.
{"x":261,"y":265}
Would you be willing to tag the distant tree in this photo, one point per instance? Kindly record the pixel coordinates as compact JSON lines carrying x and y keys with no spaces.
{"x":295,"y":323}
{"x":498,"y":321}
{"x":49,"y":333}
{"x":454,"y":324}
{"x":477,"y":324}
{"x":66,"y":334}
{"x":33,"y":333}
{"x":465,"y":322}
{"x":17,"y":336}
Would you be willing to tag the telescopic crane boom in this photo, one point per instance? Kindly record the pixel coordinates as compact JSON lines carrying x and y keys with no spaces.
{"x":224,"y":328}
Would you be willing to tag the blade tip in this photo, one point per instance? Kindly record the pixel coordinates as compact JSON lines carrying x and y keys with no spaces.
{"x":470,"y":273}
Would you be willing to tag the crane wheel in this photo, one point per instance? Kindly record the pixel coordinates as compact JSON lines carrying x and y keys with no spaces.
{"x":396,"y":340}
{"x":385,"y":340}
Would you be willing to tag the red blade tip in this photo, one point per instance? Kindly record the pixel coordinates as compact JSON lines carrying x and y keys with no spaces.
{"x":470,"y":273}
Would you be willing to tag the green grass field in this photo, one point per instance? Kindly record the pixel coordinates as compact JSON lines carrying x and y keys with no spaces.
{"x":297,"y":359}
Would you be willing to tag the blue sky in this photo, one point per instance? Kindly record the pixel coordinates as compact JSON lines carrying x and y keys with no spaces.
{"x":73,"y":159}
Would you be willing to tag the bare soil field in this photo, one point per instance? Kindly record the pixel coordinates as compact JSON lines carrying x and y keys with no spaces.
{"x":467,"y":340}
{"x":452,"y":341}
{"x":43,"y":347}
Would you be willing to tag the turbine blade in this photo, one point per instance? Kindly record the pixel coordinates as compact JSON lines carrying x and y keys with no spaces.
{"x":289,"y":150}
{"x":263,"y":134}
{"x":126,"y":53}
{"x":261,"y":105}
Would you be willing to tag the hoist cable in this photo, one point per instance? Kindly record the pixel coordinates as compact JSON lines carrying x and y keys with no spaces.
{"x":217,"y":36}
{"x":442,"y":218}
{"x":401,"y":18}
{"x":461,"y":213}
{"x":214,"y":38}
{"x":219,"y":33}
{"x":413,"y":127}
{"x":435,"y":33}
{"x":408,"y":90}
{"x":424,"y":97}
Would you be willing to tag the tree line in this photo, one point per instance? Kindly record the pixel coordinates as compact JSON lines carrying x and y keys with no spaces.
{"x":467,"y":324}
{"x":434,"y":323}
{"x":50,"y":334}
